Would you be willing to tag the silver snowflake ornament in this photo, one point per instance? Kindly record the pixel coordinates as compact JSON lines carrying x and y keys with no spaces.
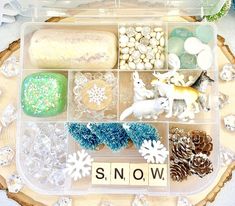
{"x":79,"y":165}
{"x":153,"y":151}
{"x":97,"y":94}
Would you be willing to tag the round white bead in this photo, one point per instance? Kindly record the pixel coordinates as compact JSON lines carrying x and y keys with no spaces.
{"x":136,"y":55}
{"x":132,"y":39}
{"x":158,"y":36}
{"x":192,"y":45}
{"x":125,"y":56}
{"x":138,"y":28}
{"x":130,"y":59}
{"x":124,"y":39}
{"x":148,"y":65}
{"x":162,"y":42}
{"x":153,"y":34}
{"x":140,"y":66}
{"x":142,"y":48}
{"x":157,"y":29}
{"x":173,"y":61}
{"x":159,"y":64}
{"x":153,"y":41}
{"x":125,"y":50}
{"x":122,"y":67}
{"x":142,"y":56}
{"x":123,"y":45}
{"x":132,"y":65}
{"x":138,"y":36}
{"x":122,"y":30}
{"x":131,"y":44}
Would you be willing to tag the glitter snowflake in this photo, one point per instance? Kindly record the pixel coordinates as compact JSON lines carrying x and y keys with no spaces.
{"x":79,"y":165}
{"x":97,"y":94}
{"x":153,"y":151}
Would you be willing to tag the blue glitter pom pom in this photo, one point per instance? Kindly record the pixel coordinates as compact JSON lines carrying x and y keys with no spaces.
{"x":83,"y":136}
{"x":112,"y":135}
{"x":138,"y":132}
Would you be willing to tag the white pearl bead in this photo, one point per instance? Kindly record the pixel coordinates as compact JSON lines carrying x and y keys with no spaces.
{"x":173,"y":61}
{"x":153,"y":34}
{"x":123,"y":45}
{"x":131,"y":65}
{"x":155,"y":50}
{"x":132,"y":39}
{"x":137,"y":60}
{"x":135,"y":55}
{"x":131,"y":44}
{"x":153,"y":42}
{"x":140,"y":66}
{"x":162,"y":42}
{"x":162,"y":57}
{"x":192,"y":45}
{"x":122,"y":62}
{"x":152,"y":61}
{"x":122,"y":30}
{"x":143,"y":49}
{"x":130,"y":59}
{"x":123,"y":67}
{"x":145,"y":60}
{"x":131,"y":50}
{"x":158,"y":36}
{"x":124,"y":39}
{"x":142,"y":56}
{"x":138,"y":36}
{"x":138,"y":28}
{"x":157,"y":29}
{"x":148,"y":65}
{"x":125,"y":56}
{"x":159,"y":64}
{"x":125,"y":50}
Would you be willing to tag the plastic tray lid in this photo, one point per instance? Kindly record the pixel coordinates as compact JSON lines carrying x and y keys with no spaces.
{"x":118,"y":8}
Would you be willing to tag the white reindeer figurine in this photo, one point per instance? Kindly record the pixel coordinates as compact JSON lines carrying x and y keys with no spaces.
{"x":140,"y":91}
{"x":172,"y":92}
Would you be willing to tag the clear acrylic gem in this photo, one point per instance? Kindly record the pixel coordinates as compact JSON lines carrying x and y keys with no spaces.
{"x":140,"y":200}
{"x":228,"y":72}
{"x":229,"y":122}
{"x":64,"y":201}
{"x":226,"y":156}
{"x":8,"y":115}
{"x":33,"y":164}
{"x":223,"y":100}
{"x":6,"y":155}
{"x":183,"y":201}
{"x":14,"y":183}
{"x":57,"y":177}
{"x":11,"y":67}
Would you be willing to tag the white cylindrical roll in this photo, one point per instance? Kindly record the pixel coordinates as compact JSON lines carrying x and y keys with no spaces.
{"x":73,"y":49}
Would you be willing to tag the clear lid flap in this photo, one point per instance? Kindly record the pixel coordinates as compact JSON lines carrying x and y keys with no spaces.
{"x":119,"y":8}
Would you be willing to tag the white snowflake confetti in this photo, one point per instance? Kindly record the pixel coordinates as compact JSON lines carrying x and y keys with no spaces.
{"x":153,"y":151}
{"x":79,"y":165}
{"x":64,"y":201}
{"x":97,"y":94}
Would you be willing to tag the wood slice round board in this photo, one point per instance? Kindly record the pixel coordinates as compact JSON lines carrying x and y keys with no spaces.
{"x":28,"y":197}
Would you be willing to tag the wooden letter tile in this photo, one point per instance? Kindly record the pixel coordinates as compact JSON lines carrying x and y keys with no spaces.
{"x":120,"y":173}
{"x":101,"y":173}
{"x":158,"y":175}
{"x":138,"y":174}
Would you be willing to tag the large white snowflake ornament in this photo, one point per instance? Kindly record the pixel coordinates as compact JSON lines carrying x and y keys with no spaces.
{"x":79,"y":165}
{"x":97,"y":94}
{"x":153,"y":151}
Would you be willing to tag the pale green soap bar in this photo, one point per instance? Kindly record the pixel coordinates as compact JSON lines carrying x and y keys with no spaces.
{"x":44,"y":94}
{"x":182,"y":33}
{"x":176,"y":45}
{"x":188,"y":61}
{"x":205,"y":33}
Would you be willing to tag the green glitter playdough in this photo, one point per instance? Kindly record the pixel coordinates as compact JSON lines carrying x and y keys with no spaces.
{"x":44,"y":94}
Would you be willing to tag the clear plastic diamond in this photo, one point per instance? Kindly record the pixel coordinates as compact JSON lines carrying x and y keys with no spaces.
{"x":226,"y":156}
{"x":6,"y":155}
{"x":228,"y":72}
{"x":64,"y":201}
{"x":140,"y":200}
{"x":229,"y":122}
{"x":32,"y":164}
{"x":14,"y":183}
{"x":57,"y":177}
{"x":183,"y":201}
{"x":8,"y":115}
{"x":10,"y":67}
{"x":223,"y":100}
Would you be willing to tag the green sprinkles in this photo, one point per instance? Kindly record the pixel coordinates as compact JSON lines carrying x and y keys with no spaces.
{"x":44,"y":94}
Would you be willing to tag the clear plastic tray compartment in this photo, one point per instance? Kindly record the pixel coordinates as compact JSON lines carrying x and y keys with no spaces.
{"x":49,"y":135}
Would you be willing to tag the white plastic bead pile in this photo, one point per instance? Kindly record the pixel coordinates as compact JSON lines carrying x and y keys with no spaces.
{"x":141,"y":48}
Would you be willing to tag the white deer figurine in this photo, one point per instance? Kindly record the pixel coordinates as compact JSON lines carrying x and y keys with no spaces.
{"x":140,"y":91}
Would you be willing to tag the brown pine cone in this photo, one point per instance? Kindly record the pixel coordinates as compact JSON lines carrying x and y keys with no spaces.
{"x":202,"y":141}
{"x":200,"y":165}
{"x":176,"y":133}
{"x":179,"y":171}
{"x":183,"y":150}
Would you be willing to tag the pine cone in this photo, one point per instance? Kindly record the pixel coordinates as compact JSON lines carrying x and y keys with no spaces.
{"x":183,"y":150}
{"x":200,"y":165}
{"x":179,"y":171}
{"x":176,"y":133}
{"x":202,"y":141}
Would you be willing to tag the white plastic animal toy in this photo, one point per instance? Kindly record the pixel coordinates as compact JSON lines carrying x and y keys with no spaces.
{"x":140,"y":91}
{"x":146,"y":109}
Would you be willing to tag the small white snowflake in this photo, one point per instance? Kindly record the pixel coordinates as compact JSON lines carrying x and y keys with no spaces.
{"x":97,"y":94}
{"x":153,"y":151}
{"x":79,"y":165}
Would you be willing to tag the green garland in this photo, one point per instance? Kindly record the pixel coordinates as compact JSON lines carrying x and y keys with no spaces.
{"x":224,"y":10}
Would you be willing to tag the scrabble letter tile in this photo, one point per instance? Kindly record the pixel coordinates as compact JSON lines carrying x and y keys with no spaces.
{"x":120,"y":173}
{"x":138,"y":174}
{"x":158,"y":175}
{"x":101,"y":173}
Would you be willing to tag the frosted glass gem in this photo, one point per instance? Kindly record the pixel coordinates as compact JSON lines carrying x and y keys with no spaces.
{"x":228,"y":72}
{"x":14,"y":183}
{"x":192,"y":45}
{"x":226,"y":156}
{"x":174,"y":61}
{"x":188,"y":61}
{"x":8,"y":115}
{"x":181,"y":32}
{"x":205,"y":33}
{"x":10,"y":67}
{"x":205,"y":59}
{"x":6,"y":156}
{"x":176,"y":45}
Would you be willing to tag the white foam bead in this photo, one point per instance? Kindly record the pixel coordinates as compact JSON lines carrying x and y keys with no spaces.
{"x":148,"y":65}
{"x":138,"y":28}
{"x":205,"y":59}
{"x":174,"y":61}
{"x":159,"y":64}
{"x":193,"y":45}
{"x":162,"y":42}
{"x":132,"y":65}
{"x":125,"y":50}
{"x":140,"y":66}
{"x":125,"y":56}
{"x":122,"y":30}
{"x":124,"y":39}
